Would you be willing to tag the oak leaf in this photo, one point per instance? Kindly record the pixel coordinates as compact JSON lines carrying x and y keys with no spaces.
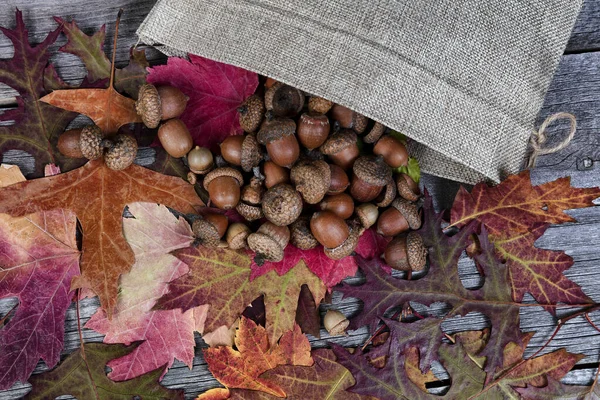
{"x":84,"y":378}
{"x":221,"y":278}
{"x":38,"y":259}
{"x":556,"y":390}
{"x":215,"y":91}
{"x":241,"y":368}
{"x":98,"y":195}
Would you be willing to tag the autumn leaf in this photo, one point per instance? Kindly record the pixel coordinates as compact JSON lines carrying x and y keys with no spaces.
{"x":166,"y":334}
{"x":215,"y":91}
{"x":221,"y":278}
{"x":84,"y":378}
{"x":39,"y":257}
{"x":241,"y":368}
{"x":556,"y":390}
{"x":307,"y":314}
{"x":98,"y":195}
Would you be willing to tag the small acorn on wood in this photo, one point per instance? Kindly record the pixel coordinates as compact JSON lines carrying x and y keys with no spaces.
{"x":223,"y":186}
{"x":155,"y":104}
{"x":335,"y":322}
{"x":278,"y":136}
{"x":175,"y":138}
{"x":269,"y":242}
{"x":406,"y":253}
{"x":282,"y":204}
{"x":399,"y":218}
{"x":341,"y":148}
{"x":371,"y":174}
{"x":251,"y":113}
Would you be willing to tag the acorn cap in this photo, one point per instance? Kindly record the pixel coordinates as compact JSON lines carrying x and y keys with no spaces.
{"x":409,"y":210}
{"x":252,"y":194}
{"x":275,"y":130}
{"x":206,"y":232}
{"x":416,"y":251}
{"x":389,"y":195}
{"x":301,"y":236}
{"x":282,"y":204}
{"x":345,"y":249}
{"x":148,"y":105}
{"x":405,"y":185}
{"x":251,"y":113}
{"x":359,"y":122}
{"x":90,"y":142}
{"x":312,"y":180}
{"x":339,"y":141}
{"x":375,"y":133}
{"x":270,"y":93}
{"x":372,"y":170}
{"x":236,"y":236}
{"x":121,"y":153}
{"x":319,"y":105}
{"x":251,"y":153}
{"x":367,"y":214}
{"x":223,"y":171}
{"x":281,"y":234}
{"x":249,"y":212}
{"x":265,"y":247}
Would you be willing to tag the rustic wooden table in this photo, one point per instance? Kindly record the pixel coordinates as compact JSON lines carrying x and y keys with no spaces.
{"x":575,"y":89}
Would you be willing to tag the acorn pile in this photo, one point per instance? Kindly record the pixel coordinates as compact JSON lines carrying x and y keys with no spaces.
{"x":306,"y":172}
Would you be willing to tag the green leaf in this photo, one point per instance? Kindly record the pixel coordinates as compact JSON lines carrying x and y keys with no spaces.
{"x":412,"y":169}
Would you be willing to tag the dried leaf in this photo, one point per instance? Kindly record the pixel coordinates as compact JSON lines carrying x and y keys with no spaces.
{"x":241,"y":368}
{"x":98,"y":196}
{"x":215,"y":90}
{"x":84,"y":378}
{"x":38,"y":259}
{"x":221,"y":278}
{"x":556,"y":390}
{"x":413,"y":371}
{"x":307,"y":314}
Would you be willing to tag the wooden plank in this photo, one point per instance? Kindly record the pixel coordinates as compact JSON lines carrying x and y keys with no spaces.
{"x":586,"y":32}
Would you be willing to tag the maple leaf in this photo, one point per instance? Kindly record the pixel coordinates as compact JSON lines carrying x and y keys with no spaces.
{"x":38,"y":259}
{"x":166,"y":334}
{"x":84,"y":378}
{"x":98,"y":195}
{"x":241,"y":368}
{"x":221,"y":278}
{"x":215,"y":91}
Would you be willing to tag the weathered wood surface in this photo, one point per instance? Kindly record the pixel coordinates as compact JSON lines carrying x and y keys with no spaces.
{"x":574,"y":89}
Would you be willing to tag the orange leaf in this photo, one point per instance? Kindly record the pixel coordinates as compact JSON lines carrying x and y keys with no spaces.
{"x":106,"y":107}
{"x":98,"y":196}
{"x":413,"y":372}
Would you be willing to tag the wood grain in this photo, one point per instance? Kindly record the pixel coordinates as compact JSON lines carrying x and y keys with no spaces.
{"x":575,"y":88}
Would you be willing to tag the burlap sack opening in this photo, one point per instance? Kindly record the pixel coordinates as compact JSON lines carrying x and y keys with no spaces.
{"x":463,"y":79}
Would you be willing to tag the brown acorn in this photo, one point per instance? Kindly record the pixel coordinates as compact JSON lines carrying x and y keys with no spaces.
{"x":329,"y":229}
{"x":399,"y":218}
{"x":200,"y":160}
{"x":231,"y":149}
{"x":375,"y":133}
{"x":367,"y":214}
{"x":274,"y":174}
{"x":300,"y":234}
{"x":313,"y":130}
{"x":286,"y":101}
{"x":90,"y":142}
{"x":319,"y":105}
{"x":341,"y":148}
{"x":312,"y":180}
{"x":407,"y":187}
{"x":269,"y":242}
{"x":282,"y":204}
{"x":159,"y":103}
{"x":340,"y":204}
{"x":121,"y":152}
{"x":339,"y":180}
{"x":406,"y":253}
{"x":210,"y":228}
{"x":349,"y":119}
{"x":68,"y":143}
{"x":370,"y":175}
{"x":175,"y":138}
{"x":278,"y":136}
{"x":348,"y":246}
{"x":251,"y":113}
{"x":249,"y":206}
{"x":236,"y":236}
{"x":242,"y":150}
{"x":386,"y":197}
{"x":392,"y":150}
{"x":223,"y":186}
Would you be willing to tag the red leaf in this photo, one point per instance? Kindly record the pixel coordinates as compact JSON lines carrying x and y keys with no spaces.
{"x":215,"y":90}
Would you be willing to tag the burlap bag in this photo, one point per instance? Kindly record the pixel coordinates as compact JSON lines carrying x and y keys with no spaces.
{"x":463,"y":78}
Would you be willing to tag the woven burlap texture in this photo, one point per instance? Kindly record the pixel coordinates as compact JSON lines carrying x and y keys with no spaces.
{"x":464,"y":79}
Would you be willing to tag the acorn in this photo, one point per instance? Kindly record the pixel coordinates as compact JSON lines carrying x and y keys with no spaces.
{"x":251,"y":113}
{"x":392,"y":150}
{"x":250,"y":199}
{"x":349,"y":119}
{"x":371,"y":174}
{"x":68,"y":143}
{"x":341,"y":205}
{"x":319,"y":105}
{"x":386,"y":197}
{"x":121,"y":152}
{"x":278,"y":136}
{"x":282,"y":204}
{"x":269,"y":242}
{"x":200,"y":160}
{"x":349,"y":245}
{"x":407,"y":187}
{"x":311,"y":180}
{"x":287,"y":101}
{"x":339,"y":180}
{"x":231,"y":149}
{"x":335,"y":322}
{"x":175,"y":138}
{"x":406,"y":253}
{"x":375,"y":133}
{"x":223,"y":186}
{"x":210,"y":229}
{"x":329,"y":229}
{"x":251,"y":153}
{"x":90,"y":142}
{"x":313,"y":130}
{"x":399,"y":218}
{"x":236,"y":236}
{"x":367,"y":214}
{"x":155,"y":104}
{"x":270,"y":93}
{"x":274,"y":174}
{"x":301,"y":236}
{"x":341,"y":148}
